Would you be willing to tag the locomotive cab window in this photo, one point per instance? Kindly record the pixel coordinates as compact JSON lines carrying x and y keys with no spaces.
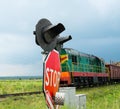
{"x":74,"y":59}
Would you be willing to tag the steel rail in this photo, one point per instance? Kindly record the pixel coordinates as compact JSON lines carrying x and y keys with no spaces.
{"x":19,"y":94}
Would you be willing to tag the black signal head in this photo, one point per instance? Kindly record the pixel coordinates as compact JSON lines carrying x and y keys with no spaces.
{"x":46,"y":34}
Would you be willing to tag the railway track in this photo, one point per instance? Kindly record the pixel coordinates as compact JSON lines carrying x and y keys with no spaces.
{"x":19,"y":94}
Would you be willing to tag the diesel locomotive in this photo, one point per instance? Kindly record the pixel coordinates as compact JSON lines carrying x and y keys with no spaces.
{"x":81,"y":69}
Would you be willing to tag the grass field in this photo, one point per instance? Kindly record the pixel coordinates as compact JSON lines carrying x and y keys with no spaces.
{"x":105,"y":97}
{"x":16,"y":86}
{"x":21,"y":102}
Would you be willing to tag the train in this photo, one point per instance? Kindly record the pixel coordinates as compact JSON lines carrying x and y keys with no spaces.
{"x":82,"y":69}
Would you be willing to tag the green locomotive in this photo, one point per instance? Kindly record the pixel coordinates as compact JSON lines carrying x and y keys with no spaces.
{"x":81,"y":69}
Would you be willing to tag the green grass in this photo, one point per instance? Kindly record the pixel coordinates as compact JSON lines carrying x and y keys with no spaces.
{"x":23,"y":102}
{"x":106,"y":97}
{"x":16,"y":86}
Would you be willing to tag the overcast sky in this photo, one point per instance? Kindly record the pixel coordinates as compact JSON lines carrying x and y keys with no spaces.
{"x":93,"y":24}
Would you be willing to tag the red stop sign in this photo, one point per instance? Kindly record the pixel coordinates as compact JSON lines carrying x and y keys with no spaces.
{"x":52,"y":72}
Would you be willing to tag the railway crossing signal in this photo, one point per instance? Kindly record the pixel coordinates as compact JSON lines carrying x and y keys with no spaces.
{"x":47,"y":37}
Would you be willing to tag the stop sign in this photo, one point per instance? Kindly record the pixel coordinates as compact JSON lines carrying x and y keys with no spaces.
{"x":51,"y":72}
